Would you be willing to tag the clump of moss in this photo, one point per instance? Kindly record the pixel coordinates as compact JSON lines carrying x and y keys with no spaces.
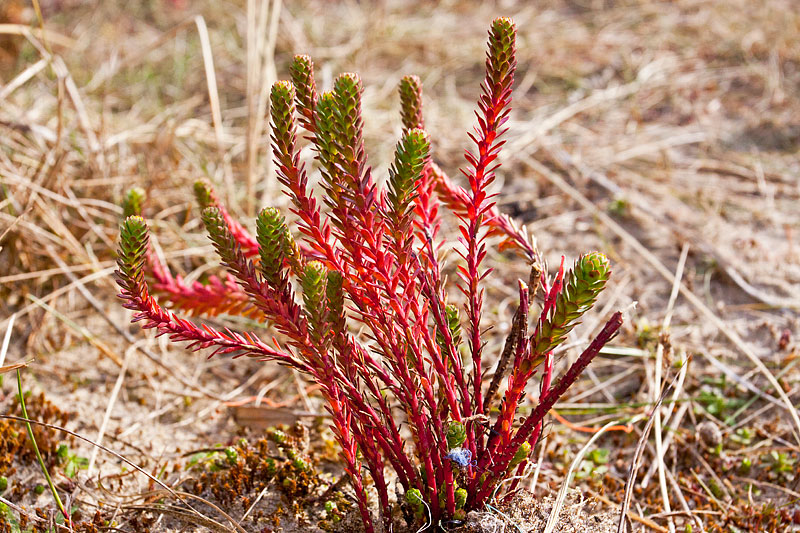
{"x":14,"y":444}
{"x":232,"y":473}
{"x":238,"y":473}
{"x":41,"y":521}
{"x":336,"y":508}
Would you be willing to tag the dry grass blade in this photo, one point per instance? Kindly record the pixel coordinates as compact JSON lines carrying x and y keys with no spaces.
{"x":4,"y":350}
{"x":657,"y":385}
{"x":261,"y":74}
{"x":50,"y":35}
{"x":552,"y":521}
{"x":633,"y":516}
{"x":208,"y":524}
{"x":107,"y":415}
{"x":211,"y":79}
{"x":637,"y":456}
{"x":22,"y":364}
{"x":22,"y":78}
{"x":7,"y":339}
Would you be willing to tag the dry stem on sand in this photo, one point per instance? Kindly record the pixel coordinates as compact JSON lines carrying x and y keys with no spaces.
{"x":659,"y":133}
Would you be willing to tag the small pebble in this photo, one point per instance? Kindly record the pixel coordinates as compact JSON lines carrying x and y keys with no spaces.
{"x":709,"y":434}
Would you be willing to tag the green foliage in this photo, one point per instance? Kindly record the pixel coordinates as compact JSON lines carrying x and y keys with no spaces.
{"x":453,"y":324}
{"x":203,"y":194}
{"x":277,"y":436}
{"x":71,"y":463}
{"x":715,"y":399}
{"x":7,"y":518}
{"x":313,"y":281}
{"x":298,"y":462}
{"x":582,"y":284}
{"x":414,"y":498}
{"x":334,"y":294}
{"x":326,"y":142}
{"x":133,"y":249}
{"x":302,"y":72}
{"x":282,"y":114}
{"x":231,"y":455}
{"x":460,"y":497}
{"x":456,"y":434}
{"x":781,"y":465}
{"x":521,"y":455}
{"x":745,"y":465}
{"x":500,"y":59}
{"x":220,"y":236}
{"x":410,"y":157}
{"x":132,"y":203}
{"x":411,"y":102}
{"x":594,"y":464}
{"x":273,"y":245}
{"x":743,"y":436}
{"x":348,"y":123}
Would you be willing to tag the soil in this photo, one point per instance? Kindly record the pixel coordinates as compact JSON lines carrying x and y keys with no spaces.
{"x":530,"y":514}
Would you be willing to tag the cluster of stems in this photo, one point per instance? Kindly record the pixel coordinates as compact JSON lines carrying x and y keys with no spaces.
{"x":410,"y":394}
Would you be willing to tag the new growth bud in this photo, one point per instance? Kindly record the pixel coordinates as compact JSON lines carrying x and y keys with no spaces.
{"x":582,"y":285}
{"x":204,"y":194}
{"x":456,"y":435}
{"x":313,"y":281}
{"x":411,"y":103}
{"x":273,"y":245}
{"x":132,"y":203}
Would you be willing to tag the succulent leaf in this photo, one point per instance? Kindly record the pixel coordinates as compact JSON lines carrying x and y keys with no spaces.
{"x":453,"y":325}
{"x":204,"y":194}
{"x":282,"y":111}
{"x":132,"y":252}
{"x":348,"y":124}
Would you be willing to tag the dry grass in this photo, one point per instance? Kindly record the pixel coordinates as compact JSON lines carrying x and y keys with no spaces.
{"x":642,"y":129}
